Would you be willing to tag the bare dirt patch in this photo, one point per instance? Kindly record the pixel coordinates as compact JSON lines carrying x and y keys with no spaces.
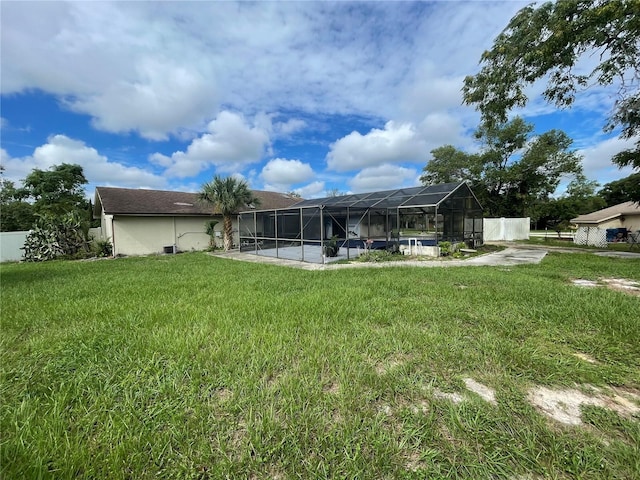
{"x":586,"y":358}
{"x":331,"y":388}
{"x":415,"y":406}
{"x":562,"y":405}
{"x":451,"y":396}
{"x":414,"y":462}
{"x":273,"y":380}
{"x":486,"y":393}
{"x":565,"y":405}
{"x":224,"y":394}
{"x":619,"y":284}
{"x":391,"y":363}
{"x":422,"y":406}
{"x":623,"y":285}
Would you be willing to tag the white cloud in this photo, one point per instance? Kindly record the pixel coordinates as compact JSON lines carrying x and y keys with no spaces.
{"x":396,"y":143}
{"x":440,"y":128}
{"x":597,"y":160}
{"x":290,"y":127}
{"x":159,"y":68}
{"x":283,"y":172}
{"x":97,"y":168}
{"x":163,"y":98}
{"x":312,"y":190}
{"x":230,"y":144}
{"x":383,"y":177}
{"x":431,"y":93}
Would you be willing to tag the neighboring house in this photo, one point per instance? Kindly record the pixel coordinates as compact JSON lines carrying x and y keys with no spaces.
{"x":141,"y":222}
{"x":624,"y":215}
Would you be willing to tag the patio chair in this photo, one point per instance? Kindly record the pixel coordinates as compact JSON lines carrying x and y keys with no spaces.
{"x":633,"y":239}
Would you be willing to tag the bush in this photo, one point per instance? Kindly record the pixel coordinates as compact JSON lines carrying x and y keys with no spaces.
{"x":331,"y":248}
{"x":54,"y":237}
{"x":377,"y":256}
{"x":103,"y":248}
{"x":445,"y":249}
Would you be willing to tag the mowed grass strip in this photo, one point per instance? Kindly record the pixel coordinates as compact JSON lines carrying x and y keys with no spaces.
{"x":190,"y":366}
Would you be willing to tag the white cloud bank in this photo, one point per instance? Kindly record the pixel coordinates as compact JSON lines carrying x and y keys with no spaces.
{"x":384,"y":177}
{"x":159,"y":68}
{"x":97,"y":168}
{"x":230,"y":144}
{"x":597,"y":160}
{"x":280,"y":174}
{"x":395,"y":143}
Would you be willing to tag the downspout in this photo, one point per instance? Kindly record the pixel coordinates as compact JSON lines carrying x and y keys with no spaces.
{"x":175,"y":236}
{"x":113,"y":237}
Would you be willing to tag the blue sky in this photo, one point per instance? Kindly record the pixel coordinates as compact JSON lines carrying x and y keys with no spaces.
{"x":290,"y":96}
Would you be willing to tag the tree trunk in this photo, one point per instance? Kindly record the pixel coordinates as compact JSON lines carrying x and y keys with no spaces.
{"x":228,"y":233}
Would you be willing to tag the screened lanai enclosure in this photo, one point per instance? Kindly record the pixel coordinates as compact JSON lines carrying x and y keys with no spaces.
{"x":342,"y":227}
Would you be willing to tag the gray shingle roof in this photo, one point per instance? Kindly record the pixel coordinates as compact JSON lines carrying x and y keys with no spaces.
{"x":130,"y":201}
{"x":627,"y":208}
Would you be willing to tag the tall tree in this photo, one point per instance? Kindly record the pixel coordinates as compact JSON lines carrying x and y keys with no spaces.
{"x":450,"y":165}
{"x":580,"y":198}
{"x":624,"y":190}
{"x":56,"y":191}
{"x":548,"y":41}
{"x":513,"y":169}
{"x":227,"y":196}
{"x":15,"y":213}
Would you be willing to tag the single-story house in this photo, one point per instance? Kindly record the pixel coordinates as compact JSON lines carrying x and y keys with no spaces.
{"x":141,"y":222}
{"x":624,"y":215}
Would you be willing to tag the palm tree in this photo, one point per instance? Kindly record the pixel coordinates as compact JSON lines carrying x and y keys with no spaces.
{"x":227,"y":196}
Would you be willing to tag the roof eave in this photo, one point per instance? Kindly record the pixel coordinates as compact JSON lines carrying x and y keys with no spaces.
{"x":596,"y":221}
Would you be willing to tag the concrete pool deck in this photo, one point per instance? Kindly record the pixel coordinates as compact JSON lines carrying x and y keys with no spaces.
{"x":508,"y":257}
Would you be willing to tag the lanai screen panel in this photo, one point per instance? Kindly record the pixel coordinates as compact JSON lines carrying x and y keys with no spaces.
{"x":462,"y":217}
{"x":444,"y":212}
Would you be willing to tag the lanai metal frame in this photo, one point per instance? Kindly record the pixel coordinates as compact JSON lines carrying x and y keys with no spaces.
{"x":448,"y":212}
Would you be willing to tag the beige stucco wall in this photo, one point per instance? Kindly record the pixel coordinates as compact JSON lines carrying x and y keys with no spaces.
{"x":138,"y":235}
{"x":631,"y":222}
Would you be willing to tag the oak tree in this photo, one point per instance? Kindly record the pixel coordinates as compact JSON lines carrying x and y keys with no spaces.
{"x":513,"y":169}
{"x":555,"y":41}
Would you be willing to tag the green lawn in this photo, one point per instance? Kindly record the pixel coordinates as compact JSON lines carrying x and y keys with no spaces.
{"x":190,"y":366}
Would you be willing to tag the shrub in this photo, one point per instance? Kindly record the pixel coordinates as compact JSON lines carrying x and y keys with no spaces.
{"x":55,"y":237}
{"x":103,"y":248}
{"x":445,"y":249}
{"x":377,"y":256}
{"x":331,"y":248}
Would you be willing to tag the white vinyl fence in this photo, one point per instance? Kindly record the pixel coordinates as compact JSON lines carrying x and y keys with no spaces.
{"x":506,"y":229}
{"x":11,"y":244}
